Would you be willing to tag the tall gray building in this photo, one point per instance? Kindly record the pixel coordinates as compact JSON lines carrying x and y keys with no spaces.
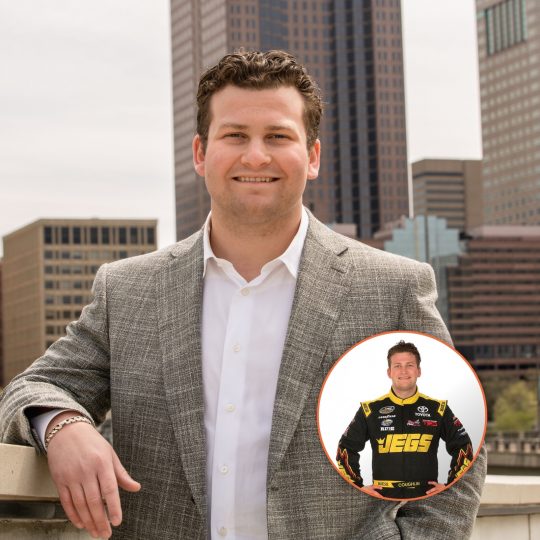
{"x":450,"y":189}
{"x":509,"y":62}
{"x":354,"y":50}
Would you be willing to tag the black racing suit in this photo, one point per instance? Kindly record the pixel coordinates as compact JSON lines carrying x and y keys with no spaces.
{"x":404,"y":436}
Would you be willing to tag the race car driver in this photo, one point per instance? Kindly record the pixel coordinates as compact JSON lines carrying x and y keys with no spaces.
{"x":404,"y":428}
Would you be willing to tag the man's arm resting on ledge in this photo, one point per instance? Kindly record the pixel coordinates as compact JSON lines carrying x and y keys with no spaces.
{"x":87,"y":473}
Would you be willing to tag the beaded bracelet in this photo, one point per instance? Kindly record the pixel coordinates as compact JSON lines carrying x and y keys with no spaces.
{"x":60,"y":425}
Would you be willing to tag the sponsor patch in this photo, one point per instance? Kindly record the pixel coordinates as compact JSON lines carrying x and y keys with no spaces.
{"x":430,"y":423}
{"x":386,"y":416}
{"x":387,"y":422}
{"x":387,"y":410}
{"x":408,"y":484}
{"x":414,"y":423}
{"x":388,"y":428}
{"x":422,"y":409}
{"x":457,"y":423}
{"x":404,"y":442}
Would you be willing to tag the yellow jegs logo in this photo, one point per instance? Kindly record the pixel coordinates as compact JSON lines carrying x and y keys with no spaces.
{"x":405,"y":442}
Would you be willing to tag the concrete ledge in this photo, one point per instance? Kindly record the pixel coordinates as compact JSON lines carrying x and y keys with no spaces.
{"x":24,"y":475}
{"x":511,"y":490}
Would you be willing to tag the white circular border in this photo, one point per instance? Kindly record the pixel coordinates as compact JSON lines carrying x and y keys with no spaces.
{"x":445,"y":375}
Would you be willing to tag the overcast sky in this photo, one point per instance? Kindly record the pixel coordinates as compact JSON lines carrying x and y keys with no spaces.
{"x":85,"y":104}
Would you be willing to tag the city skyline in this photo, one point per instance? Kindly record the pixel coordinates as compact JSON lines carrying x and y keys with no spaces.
{"x":98,"y":132}
{"x":354,"y":52}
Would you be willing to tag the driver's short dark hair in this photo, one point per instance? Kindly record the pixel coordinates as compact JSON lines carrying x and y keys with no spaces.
{"x":403,"y":346}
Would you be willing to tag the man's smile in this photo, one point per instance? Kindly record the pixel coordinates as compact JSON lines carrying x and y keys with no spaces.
{"x":255,"y":179}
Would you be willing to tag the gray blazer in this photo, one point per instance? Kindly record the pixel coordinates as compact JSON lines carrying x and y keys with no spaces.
{"x":137,"y":349}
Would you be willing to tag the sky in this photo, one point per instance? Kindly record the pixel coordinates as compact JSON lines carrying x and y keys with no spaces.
{"x":86,"y":106}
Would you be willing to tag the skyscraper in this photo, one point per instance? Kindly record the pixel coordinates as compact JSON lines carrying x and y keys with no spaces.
{"x":450,"y":189}
{"x":354,"y":51}
{"x":509,"y":58}
{"x":47,"y":275}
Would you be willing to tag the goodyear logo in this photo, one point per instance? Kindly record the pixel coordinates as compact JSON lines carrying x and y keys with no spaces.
{"x":404,"y":442}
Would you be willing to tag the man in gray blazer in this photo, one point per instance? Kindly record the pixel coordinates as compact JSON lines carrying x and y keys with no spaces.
{"x":211,"y":353}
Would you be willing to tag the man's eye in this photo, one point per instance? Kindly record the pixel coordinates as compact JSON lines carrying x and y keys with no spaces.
{"x":278,"y":136}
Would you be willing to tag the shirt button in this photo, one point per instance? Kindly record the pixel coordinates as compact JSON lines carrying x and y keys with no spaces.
{"x":222,"y":531}
{"x":224,"y":469}
{"x":244,"y":292}
{"x":236,"y":348}
{"x":230,"y":407}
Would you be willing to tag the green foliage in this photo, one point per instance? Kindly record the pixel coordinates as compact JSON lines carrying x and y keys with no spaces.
{"x":515,"y":408}
{"x":493,"y":388}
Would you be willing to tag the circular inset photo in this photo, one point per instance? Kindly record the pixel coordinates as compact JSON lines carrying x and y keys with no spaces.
{"x":401,"y":415}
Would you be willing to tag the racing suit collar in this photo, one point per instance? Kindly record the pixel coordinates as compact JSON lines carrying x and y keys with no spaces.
{"x":407,"y":401}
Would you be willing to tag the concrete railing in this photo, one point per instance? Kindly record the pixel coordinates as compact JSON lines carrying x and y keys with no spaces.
{"x":510,"y":508}
{"x":29,"y":507}
{"x":514,"y":450}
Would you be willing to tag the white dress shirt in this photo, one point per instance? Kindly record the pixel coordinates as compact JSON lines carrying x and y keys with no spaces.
{"x":244,"y":326}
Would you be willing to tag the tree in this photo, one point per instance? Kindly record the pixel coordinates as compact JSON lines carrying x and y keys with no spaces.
{"x":515,"y":408}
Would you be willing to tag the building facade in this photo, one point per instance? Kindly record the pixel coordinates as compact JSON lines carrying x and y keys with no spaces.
{"x":494,"y":299}
{"x":449,"y":189}
{"x":425,"y":239}
{"x":353,"y":49}
{"x":509,"y":65}
{"x":48,"y":271}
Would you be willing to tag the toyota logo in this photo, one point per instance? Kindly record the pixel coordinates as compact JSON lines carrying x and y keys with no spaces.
{"x":422,"y":409}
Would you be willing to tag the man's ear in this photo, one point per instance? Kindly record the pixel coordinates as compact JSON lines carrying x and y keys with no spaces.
{"x":314,"y":160}
{"x":388,"y":373}
{"x":198,"y":155}
{"x":419,"y":371}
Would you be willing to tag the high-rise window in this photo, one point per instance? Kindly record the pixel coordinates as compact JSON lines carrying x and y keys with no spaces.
{"x":93,"y":235}
{"x":150,"y":235}
{"x":122,"y":235}
{"x":105,"y":239}
{"x":65,"y":235}
{"x":505,"y":25}
{"x":47,"y":235}
{"x":76,"y":235}
{"x":133,"y":235}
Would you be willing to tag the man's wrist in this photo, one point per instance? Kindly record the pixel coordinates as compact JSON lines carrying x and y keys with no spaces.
{"x":60,"y":421}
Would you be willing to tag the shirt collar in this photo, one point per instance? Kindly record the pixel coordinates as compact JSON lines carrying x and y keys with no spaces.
{"x":290,"y":257}
{"x":407,"y":401}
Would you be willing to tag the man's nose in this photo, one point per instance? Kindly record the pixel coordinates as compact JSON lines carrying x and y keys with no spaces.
{"x":255,"y":154}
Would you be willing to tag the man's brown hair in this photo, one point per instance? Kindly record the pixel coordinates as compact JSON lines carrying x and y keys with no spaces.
{"x":403,"y":346}
{"x":259,"y":71}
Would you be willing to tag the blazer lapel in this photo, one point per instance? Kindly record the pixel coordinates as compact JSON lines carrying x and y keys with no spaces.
{"x":180,"y":287}
{"x":322,"y":283}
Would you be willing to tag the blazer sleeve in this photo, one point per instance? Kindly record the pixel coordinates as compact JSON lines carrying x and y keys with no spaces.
{"x":72,"y":374}
{"x":449,"y":515}
{"x":352,"y":442}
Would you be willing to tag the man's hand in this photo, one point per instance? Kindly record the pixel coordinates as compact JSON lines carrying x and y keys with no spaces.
{"x":87,"y":473}
{"x":373,"y":490}
{"x":437,"y":487}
